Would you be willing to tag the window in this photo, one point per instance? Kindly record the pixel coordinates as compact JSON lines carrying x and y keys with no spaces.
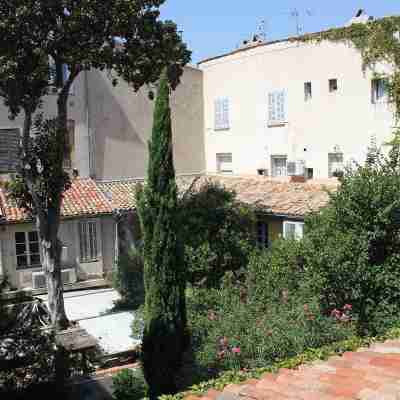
{"x":224,"y":163}
{"x":293,"y":230}
{"x":9,"y":148}
{"x":221,"y":116}
{"x":277,"y":107}
{"x":335,"y":164}
{"x":88,"y":241}
{"x":333,"y":85}
{"x":279,"y":166}
{"x":262,"y":234}
{"x":379,"y":91}
{"x":69,"y":144}
{"x":307,"y":91}
{"x":27,"y":249}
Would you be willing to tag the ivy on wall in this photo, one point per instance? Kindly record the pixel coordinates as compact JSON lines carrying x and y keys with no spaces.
{"x":379,"y":42}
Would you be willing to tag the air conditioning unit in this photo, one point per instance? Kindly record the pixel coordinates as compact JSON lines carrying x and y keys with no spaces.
{"x":38,"y":280}
{"x":296,"y":168}
{"x":68,"y":276}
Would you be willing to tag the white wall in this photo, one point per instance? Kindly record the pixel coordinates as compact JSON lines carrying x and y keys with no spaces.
{"x":69,"y":235}
{"x":346,"y":118}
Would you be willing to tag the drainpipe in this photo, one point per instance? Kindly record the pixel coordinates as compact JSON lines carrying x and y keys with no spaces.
{"x":91,"y":144}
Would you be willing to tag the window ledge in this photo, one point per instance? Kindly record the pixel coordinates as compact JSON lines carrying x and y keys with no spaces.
{"x":273,"y":124}
{"x":221,"y":129}
{"x":89,"y":261}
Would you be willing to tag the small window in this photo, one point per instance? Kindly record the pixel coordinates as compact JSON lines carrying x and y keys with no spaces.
{"x":307,"y":91}
{"x":293,"y":230}
{"x":333,"y":85}
{"x":277,"y":107}
{"x":69,"y":144}
{"x":88,"y":241}
{"x":9,"y":149}
{"x":221,"y":114}
{"x":335,"y":164}
{"x":279,"y":166}
{"x":262,"y":234}
{"x":224,"y":163}
{"x":379,"y":90}
{"x":27,"y":250}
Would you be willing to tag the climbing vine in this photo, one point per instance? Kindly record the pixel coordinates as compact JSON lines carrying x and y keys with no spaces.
{"x":379,"y":42}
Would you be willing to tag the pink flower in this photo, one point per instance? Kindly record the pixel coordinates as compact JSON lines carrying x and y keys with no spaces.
{"x":347,"y":307}
{"x":236,"y":350}
{"x":336,"y":314}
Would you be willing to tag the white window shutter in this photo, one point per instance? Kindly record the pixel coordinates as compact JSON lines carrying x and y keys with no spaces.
{"x":272,"y":107}
{"x":221,"y":113}
{"x":281,"y":107}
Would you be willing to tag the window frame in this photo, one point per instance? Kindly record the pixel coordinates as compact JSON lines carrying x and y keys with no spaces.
{"x":221,"y":114}
{"x":298,"y":229}
{"x":18,"y":130}
{"x":263,"y":235}
{"x":331,"y":171}
{"x":29,"y":254}
{"x":333,"y":85}
{"x":273,"y":168}
{"x":219,"y":162}
{"x":376,"y":96}
{"x":277,"y":107}
{"x":90,"y":246}
{"x":308,"y":91}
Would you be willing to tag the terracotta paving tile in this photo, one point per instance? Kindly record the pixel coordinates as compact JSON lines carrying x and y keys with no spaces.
{"x":371,"y":374}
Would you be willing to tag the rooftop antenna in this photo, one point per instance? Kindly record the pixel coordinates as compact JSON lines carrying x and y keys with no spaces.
{"x":297,"y":16}
{"x":262,"y":30}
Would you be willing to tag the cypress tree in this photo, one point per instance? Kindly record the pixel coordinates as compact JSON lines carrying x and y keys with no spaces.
{"x":165,"y":336}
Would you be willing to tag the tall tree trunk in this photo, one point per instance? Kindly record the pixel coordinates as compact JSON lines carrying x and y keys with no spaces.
{"x":48,"y":219}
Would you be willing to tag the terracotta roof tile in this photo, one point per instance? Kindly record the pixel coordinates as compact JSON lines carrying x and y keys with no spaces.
{"x":84,"y":198}
{"x":276,"y":197}
{"x":121,"y":194}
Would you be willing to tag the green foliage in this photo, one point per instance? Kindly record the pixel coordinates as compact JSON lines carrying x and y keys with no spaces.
{"x":129,"y":385}
{"x":352,"y":247}
{"x":165,"y":335}
{"x":270,"y":317}
{"x":128,"y":280}
{"x":217,"y":231}
{"x":310,"y":355}
{"x":41,"y":180}
{"x":378,"y":42}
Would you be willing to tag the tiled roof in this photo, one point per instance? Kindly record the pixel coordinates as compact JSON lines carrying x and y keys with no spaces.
{"x":275,"y":197}
{"x":120,"y":193}
{"x":84,"y":198}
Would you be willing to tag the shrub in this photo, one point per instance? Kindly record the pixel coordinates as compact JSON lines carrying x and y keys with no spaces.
{"x":218,"y":232}
{"x":352,"y":247}
{"x":129,"y":385}
{"x":128,"y":280}
{"x":271,"y":316}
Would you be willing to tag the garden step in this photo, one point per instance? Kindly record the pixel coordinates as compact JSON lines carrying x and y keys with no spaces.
{"x":367,"y":374}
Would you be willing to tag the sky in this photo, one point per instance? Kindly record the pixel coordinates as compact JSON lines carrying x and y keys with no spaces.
{"x":213,"y":27}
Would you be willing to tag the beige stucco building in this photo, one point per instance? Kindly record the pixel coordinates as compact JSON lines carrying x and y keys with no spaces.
{"x":291,"y":108}
{"x":110,"y":127}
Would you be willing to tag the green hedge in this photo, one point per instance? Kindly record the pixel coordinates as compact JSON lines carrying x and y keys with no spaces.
{"x":235,"y":377}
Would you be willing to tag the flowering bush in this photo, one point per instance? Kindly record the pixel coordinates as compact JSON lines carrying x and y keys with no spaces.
{"x":352,"y":248}
{"x":269,"y":317}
